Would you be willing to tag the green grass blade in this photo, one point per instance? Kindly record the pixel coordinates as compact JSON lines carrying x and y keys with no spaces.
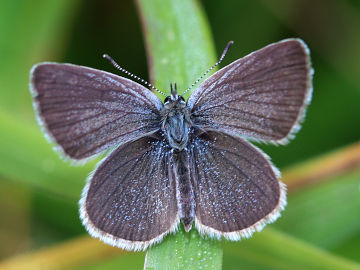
{"x":29,"y":30}
{"x":66,"y":255}
{"x":327,"y":214}
{"x":179,"y":49}
{"x":178,"y":40}
{"x":185,"y":251}
{"x":272,"y":250}
{"x":324,"y":202}
{"x":27,"y":157}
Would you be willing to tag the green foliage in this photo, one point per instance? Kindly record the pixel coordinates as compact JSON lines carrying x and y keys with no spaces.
{"x":271,"y":249}
{"x":39,"y":192}
{"x":325,"y":215}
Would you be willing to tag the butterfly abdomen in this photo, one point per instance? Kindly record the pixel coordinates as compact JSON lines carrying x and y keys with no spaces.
{"x":184,"y":188}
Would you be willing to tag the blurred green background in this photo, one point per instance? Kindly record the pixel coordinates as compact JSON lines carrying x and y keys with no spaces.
{"x":39,"y":192}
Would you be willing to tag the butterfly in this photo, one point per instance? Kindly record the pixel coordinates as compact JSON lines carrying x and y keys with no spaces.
{"x":180,"y":161}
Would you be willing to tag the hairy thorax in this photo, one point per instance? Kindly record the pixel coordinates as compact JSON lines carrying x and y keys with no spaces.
{"x":176,"y":123}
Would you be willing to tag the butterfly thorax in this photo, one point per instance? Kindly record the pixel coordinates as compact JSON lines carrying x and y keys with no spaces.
{"x":176,"y":122}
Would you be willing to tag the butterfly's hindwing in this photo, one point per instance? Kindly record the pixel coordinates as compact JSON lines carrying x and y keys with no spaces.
{"x":130,"y":200}
{"x":236,"y":187}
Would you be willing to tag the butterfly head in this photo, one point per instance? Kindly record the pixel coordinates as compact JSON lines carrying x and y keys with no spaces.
{"x":174,"y":101}
{"x":174,"y":97}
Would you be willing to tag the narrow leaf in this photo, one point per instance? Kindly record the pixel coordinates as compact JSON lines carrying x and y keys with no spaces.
{"x":323,"y":167}
{"x":327,"y":214}
{"x":28,"y":29}
{"x":77,"y":252}
{"x":272,"y":249}
{"x":179,"y":50}
{"x":26,"y":148}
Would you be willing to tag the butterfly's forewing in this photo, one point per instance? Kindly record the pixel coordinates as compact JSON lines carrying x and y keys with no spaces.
{"x":130,"y":200}
{"x":86,"y":111}
{"x":236,"y":187}
{"x":261,"y":96}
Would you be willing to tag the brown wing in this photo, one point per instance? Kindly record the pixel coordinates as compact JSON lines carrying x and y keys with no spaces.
{"x":130,"y":200}
{"x":236,"y":187}
{"x":262,"y":96}
{"x":85,"y":111}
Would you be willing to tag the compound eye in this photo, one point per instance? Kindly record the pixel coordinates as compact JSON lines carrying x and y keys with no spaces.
{"x":167,"y":99}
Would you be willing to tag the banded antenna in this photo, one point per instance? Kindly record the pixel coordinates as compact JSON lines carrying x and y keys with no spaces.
{"x":116,"y":65}
{"x":206,"y":72}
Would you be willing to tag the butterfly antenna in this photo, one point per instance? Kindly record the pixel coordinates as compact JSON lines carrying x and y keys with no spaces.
{"x":116,"y":65}
{"x":206,"y":72}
